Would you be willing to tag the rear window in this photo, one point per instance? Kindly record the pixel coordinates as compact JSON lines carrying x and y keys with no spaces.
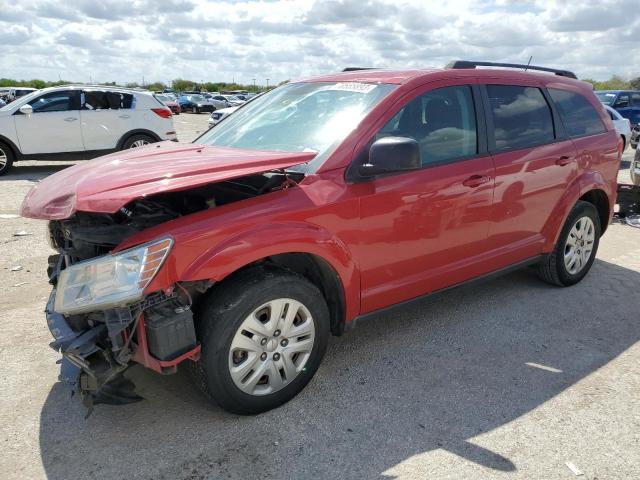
{"x":579,"y":117}
{"x":521,"y":117}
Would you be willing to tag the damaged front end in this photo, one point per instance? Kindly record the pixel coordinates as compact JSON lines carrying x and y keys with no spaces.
{"x":99,"y":313}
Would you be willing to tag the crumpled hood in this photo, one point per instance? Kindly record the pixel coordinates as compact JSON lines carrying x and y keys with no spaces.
{"x":106,"y":184}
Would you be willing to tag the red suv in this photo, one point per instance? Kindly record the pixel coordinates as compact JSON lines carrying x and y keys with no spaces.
{"x":320,"y":204}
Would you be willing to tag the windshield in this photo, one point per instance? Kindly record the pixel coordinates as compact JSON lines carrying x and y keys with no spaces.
{"x":163,"y":98}
{"x":196,"y":98}
{"x":606,"y":97}
{"x":299,"y":117}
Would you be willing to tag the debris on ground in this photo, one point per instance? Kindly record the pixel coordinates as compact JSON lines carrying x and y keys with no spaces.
{"x":22,"y":233}
{"x":576,"y":471}
{"x":20,"y":284}
{"x":7,"y":216}
{"x":633,"y":220}
{"x":17,"y":268}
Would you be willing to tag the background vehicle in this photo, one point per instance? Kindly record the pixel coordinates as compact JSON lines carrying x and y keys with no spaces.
{"x":317,"y":206}
{"x":195,"y":104}
{"x":173,"y":105}
{"x":17,"y":92}
{"x":634,"y":170}
{"x":218,"y":115}
{"x":2,"y":103}
{"x":625,"y":102}
{"x":232,"y":100}
{"x":623,"y":126}
{"x":635,"y":136}
{"x":76,"y":122}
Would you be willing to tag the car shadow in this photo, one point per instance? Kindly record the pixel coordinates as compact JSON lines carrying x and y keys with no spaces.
{"x":34,"y":170}
{"x":432,"y":376}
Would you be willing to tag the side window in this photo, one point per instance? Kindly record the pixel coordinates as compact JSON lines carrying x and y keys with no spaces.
{"x":55,"y":102}
{"x":622,"y":101}
{"x":442,"y":121}
{"x":635,"y":99}
{"x":611,"y":116}
{"x":95,"y":100}
{"x":578,"y":115}
{"x":521,"y":117}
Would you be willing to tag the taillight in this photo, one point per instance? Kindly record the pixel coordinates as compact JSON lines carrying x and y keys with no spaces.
{"x":162,"y":112}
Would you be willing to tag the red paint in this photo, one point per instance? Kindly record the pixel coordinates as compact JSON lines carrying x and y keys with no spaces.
{"x":388,"y":239}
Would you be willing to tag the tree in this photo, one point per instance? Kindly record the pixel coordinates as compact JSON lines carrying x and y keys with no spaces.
{"x":635,"y":83}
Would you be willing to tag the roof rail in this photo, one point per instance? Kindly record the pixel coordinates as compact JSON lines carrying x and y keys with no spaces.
{"x":355,"y":69}
{"x":468,"y":64}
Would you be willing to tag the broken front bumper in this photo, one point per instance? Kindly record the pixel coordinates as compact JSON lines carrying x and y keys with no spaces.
{"x":95,"y":356}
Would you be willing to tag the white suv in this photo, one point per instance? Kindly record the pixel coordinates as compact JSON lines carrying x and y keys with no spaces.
{"x":79,"y":122}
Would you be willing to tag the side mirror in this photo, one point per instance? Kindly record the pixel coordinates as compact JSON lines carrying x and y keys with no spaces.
{"x":392,"y":154}
{"x":26,"y":109}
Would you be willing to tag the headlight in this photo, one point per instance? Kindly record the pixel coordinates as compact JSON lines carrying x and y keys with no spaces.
{"x":111,"y":280}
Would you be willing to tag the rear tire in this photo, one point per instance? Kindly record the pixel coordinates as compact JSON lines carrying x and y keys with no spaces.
{"x":252,"y":371}
{"x":136,"y":141}
{"x":576,"y":248}
{"x":6,"y":158}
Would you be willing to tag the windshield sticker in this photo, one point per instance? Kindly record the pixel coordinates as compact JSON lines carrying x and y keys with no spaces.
{"x":352,"y":87}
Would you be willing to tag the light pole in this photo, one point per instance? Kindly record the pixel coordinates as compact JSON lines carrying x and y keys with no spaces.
{"x":267,"y":84}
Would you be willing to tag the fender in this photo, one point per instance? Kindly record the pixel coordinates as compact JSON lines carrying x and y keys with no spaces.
{"x":587,"y":181}
{"x":292,"y":237}
{"x":137,"y":131}
{"x":12,"y":146}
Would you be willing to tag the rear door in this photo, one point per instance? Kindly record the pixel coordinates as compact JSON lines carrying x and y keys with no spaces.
{"x":106,"y":117}
{"x":54,"y":125}
{"x":534,"y":161}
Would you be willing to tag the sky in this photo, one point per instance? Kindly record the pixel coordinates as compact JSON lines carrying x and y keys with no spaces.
{"x":201,"y":40}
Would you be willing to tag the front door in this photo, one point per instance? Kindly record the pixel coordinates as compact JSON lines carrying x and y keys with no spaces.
{"x":54,"y":125}
{"x":427,"y":229}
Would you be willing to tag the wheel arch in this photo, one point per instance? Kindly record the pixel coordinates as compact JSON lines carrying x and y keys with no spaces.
{"x":14,"y":148}
{"x":598,"y":198}
{"x":137,"y":131}
{"x":305,"y":249}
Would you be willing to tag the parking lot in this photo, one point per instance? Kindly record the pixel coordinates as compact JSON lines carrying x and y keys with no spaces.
{"x":511,"y":378}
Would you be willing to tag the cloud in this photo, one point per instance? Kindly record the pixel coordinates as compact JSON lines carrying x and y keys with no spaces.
{"x":124,"y":40}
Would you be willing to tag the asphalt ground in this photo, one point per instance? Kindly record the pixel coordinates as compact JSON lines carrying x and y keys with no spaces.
{"x":511,"y":378}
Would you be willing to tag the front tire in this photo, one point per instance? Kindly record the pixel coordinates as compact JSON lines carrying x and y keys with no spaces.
{"x":6,"y":159}
{"x":576,"y":248}
{"x":263,"y":335}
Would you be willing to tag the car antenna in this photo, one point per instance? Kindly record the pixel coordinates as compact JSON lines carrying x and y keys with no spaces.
{"x":528,"y":63}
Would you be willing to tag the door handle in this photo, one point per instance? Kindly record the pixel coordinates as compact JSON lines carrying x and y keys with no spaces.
{"x":70,"y":119}
{"x":475,"y":181}
{"x":564,"y":160}
{"x":124,"y":116}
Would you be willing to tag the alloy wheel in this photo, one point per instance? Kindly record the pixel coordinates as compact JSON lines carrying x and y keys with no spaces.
{"x":271,"y":347}
{"x":3,"y":158}
{"x":139,"y":143}
{"x":579,"y":245}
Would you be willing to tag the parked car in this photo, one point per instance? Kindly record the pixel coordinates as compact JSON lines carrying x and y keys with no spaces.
{"x":218,"y":115}
{"x":169,"y":102}
{"x":2,"y":103}
{"x":232,"y":100}
{"x":634,"y":170}
{"x":4,"y":93}
{"x":625,"y":102}
{"x":623,"y":126}
{"x":17,"y":92}
{"x":196,"y":104}
{"x":635,"y":136}
{"x":77,"y":122}
{"x":315,"y":207}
